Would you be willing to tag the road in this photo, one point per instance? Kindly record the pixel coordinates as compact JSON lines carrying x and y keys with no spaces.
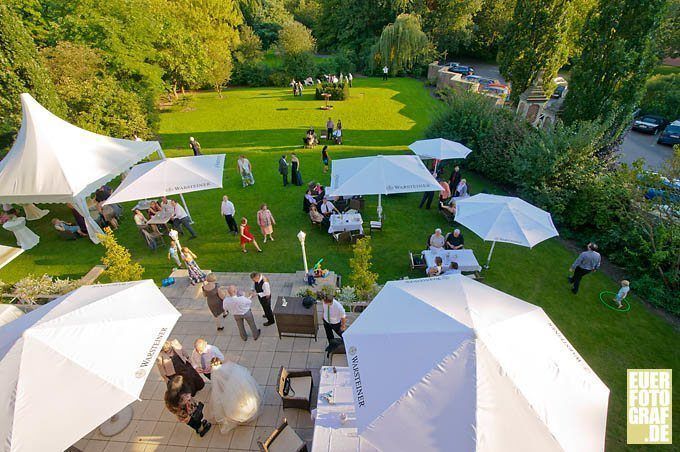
{"x":643,"y":146}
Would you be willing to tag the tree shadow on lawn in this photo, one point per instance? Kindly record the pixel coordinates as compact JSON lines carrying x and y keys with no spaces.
{"x":284,"y":138}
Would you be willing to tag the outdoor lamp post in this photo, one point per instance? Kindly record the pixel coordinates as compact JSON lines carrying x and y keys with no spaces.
{"x":301,"y":237}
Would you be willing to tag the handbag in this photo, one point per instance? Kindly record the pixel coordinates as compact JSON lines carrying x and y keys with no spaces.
{"x":287,"y":388}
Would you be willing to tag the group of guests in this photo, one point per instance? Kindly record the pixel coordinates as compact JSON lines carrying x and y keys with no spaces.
{"x":297,"y":86}
{"x":296,"y":176}
{"x":334,"y":131}
{"x":438,"y":241}
{"x":170,"y":211}
{"x":452,"y":189}
{"x":265,"y":220}
{"x":310,"y":140}
{"x":335,"y":79}
{"x":235,"y":398}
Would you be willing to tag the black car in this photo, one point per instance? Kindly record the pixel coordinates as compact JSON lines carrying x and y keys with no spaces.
{"x":670,"y":135}
{"x":458,"y":69}
{"x":648,"y":124}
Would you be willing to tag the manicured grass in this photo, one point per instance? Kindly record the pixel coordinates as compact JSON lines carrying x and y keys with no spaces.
{"x":665,"y":69}
{"x":381,"y":117}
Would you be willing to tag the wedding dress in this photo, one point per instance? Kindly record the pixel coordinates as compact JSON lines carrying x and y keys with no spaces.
{"x":235,"y":398}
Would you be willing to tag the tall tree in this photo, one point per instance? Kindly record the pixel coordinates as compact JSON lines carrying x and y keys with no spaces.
{"x":537,"y":39}
{"x":20,"y":71}
{"x":402,"y":44}
{"x":619,"y":54}
{"x":489,"y":24}
{"x":295,"y":38}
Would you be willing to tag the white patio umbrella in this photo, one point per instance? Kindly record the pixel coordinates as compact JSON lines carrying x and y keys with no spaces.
{"x":505,"y":219}
{"x":71,"y":364}
{"x":380,"y":175}
{"x":440,"y":149}
{"x":450,"y":364}
{"x":8,"y":254}
{"x":170,"y":177}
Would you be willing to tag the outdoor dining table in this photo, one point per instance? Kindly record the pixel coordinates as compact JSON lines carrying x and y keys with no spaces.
{"x":144,"y":204}
{"x":161,"y":217}
{"x":467,"y":262}
{"x":346,"y":222}
{"x":331,"y":433}
{"x":26,"y":238}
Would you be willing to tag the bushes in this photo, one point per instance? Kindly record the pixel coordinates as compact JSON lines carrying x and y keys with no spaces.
{"x":251,"y":74}
{"x":662,"y":96}
{"x":118,"y":261}
{"x":338,"y":91}
{"x":559,"y":171}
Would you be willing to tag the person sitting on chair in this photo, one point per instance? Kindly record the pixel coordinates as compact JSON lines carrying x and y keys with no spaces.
{"x":308,"y":201}
{"x":437,"y":269}
{"x":327,"y":208}
{"x":142,"y":222}
{"x":437,"y":240}
{"x":62,"y":226}
{"x":316,"y":217}
{"x":449,"y":206}
{"x":461,"y":190}
{"x":454,"y":241}
{"x":453,"y":269}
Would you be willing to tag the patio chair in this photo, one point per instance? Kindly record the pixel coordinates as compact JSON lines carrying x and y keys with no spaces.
{"x":356,"y":235}
{"x":417,"y":260}
{"x":375,"y":225}
{"x":297,"y":393}
{"x":283,"y":439}
{"x":356,"y":204}
{"x":343,"y":237}
{"x":153,"y":239}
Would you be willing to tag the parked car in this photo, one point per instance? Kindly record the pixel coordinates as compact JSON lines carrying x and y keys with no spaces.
{"x":671,"y":134}
{"x":458,"y":69}
{"x":648,"y":124}
{"x":481,"y":80}
{"x":559,"y":91}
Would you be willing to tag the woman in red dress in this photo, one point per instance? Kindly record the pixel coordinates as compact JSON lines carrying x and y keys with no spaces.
{"x":246,"y":236}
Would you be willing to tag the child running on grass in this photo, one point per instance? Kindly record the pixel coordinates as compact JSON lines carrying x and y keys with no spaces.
{"x":173,"y":253}
{"x":623,"y":293}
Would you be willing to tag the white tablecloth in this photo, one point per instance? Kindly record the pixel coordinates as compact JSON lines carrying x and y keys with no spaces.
{"x":467,"y":262}
{"x":346,"y":222}
{"x":26,"y":238}
{"x":330,"y":434}
{"x":161,"y":217}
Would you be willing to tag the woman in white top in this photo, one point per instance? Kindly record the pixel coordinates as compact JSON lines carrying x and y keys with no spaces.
{"x":462,"y":189}
{"x":437,"y":240}
{"x":246,"y":171}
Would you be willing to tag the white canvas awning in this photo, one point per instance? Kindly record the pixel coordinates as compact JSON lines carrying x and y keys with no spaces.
{"x":53,"y":161}
{"x":169,"y":177}
{"x":71,"y":364}
{"x":450,"y":364}
{"x":440,"y":149}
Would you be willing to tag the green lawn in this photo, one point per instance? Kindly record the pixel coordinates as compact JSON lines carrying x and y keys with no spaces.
{"x":381,"y":117}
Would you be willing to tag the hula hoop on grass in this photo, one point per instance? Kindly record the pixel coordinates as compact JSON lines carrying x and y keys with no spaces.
{"x":624,"y":302}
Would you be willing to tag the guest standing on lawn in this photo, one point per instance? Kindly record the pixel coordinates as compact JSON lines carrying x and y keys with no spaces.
{"x":295,"y":170}
{"x":245,"y":169}
{"x":264,"y":295}
{"x":587,"y":262}
{"x":196,"y":275}
{"x":240,"y":308}
{"x":195,"y":146}
{"x":181,"y":220}
{"x":211,"y":293}
{"x":228,"y":210}
{"x":174,"y":360}
{"x":386,"y":71}
{"x":247,"y":236}
{"x":324,"y":158}
{"x":330,"y":125}
{"x":266,"y":221}
{"x":283,"y":169}
{"x":334,"y":317}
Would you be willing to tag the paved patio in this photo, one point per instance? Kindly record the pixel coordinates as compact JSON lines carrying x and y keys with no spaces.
{"x":154,"y":429}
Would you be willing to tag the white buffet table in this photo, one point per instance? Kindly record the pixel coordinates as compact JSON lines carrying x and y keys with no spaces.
{"x":346,"y":222}
{"x":331,"y":434}
{"x":467,"y":262}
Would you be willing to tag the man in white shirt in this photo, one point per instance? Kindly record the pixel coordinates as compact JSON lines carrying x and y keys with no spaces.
{"x":202,"y":356}
{"x":239,"y":307}
{"x":453,"y":269}
{"x":349,"y":79}
{"x":264,"y":294}
{"x":385,"y":70}
{"x":334,"y":317}
{"x":245,"y":170}
{"x":327,"y":208}
{"x":228,"y":210}
{"x":181,"y":219}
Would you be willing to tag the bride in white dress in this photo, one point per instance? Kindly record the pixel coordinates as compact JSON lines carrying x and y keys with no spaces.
{"x":235,"y":398}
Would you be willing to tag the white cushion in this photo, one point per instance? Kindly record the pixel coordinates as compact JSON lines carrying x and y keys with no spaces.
{"x":301,"y":386}
{"x":376,"y":224}
{"x":286,"y":441}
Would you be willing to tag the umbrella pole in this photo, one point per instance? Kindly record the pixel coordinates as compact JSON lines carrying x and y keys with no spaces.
{"x":493,"y":244}
{"x":186,"y":208}
{"x":117,"y":423}
{"x":379,"y":207}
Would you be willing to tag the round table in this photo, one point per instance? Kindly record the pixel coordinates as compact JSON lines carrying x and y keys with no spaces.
{"x":26,"y":238}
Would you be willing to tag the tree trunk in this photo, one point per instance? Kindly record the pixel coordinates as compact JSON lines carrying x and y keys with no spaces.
{"x":174,"y":90}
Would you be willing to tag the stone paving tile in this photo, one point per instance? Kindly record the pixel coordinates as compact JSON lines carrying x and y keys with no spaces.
{"x":154,"y":429}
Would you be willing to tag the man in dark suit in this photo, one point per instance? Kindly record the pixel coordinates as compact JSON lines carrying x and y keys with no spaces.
{"x":283,"y":169}
{"x":455,"y":179}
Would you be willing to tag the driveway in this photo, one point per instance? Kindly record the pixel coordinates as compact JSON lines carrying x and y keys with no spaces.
{"x":638,"y":145}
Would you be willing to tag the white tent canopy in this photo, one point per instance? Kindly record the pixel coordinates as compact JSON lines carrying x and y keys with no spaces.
{"x":450,"y":364}
{"x":440,"y":149}
{"x":53,"y":161}
{"x":505,"y":219}
{"x":71,"y":364}
{"x":8,"y":254}
{"x":169,"y":177}
{"x":380,"y":175}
